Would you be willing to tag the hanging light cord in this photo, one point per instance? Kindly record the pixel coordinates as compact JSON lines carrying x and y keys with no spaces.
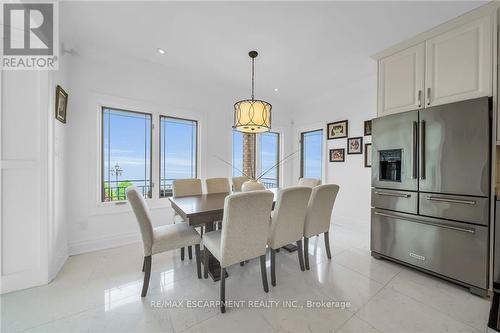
{"x":253,"y":59}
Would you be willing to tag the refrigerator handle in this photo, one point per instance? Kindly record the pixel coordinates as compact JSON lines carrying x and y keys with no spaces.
{"x":422,"y":149}
{"x":415,"y":150}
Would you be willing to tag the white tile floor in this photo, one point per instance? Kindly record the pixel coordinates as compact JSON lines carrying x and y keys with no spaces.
{"x":100,"y":292}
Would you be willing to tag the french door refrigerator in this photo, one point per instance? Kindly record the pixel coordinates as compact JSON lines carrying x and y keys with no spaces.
{"x":430,"y":190}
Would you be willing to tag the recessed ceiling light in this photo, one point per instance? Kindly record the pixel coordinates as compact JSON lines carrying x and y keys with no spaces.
{"x":161,"y":51}
{"x":275,"y":89}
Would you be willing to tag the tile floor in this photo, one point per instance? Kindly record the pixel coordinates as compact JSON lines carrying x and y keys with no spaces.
{"x":100,"y":292}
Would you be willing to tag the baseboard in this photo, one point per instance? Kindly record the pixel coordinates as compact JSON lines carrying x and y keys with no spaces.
{"x":103,"y":243}
{"x":61,"y":260}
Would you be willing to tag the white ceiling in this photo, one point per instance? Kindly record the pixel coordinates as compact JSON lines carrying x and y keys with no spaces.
{"x":305,"y":48}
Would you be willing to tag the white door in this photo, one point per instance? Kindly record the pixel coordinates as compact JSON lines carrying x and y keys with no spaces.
{"x":401,"y":81}
{"x":459,"y":63}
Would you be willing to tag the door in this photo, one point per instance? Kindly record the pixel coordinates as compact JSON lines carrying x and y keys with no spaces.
{"x":459,"y":64}
{"x":394,"y":144}
{"x":455,"y":148}
{"x":401,"y":81}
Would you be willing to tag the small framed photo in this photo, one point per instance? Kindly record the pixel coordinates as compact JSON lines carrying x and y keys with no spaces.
{"x":368,"y":155}
{"x":337,"y":155}
{"x":367,"y":127}
{"x":355,"y":145}
{"x":337,"y":130}
{"x":61,"y":104}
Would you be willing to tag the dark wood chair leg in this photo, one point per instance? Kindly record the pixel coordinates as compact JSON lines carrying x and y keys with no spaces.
{"x":306,"y":252}
{"x":327,"y":245}
{"x":205,"y":263}
{"x":242,"y":263}
{"x":301,"y":256}
{"x":263,"y":272}
{"x":198,"y":260}
{"x":223,"y":290}
{"x":147,"y":274}
{"x":143,"y":264}
{"x":273,"y":267}
{"x":182,"y":253}
{"x":190,"y":252}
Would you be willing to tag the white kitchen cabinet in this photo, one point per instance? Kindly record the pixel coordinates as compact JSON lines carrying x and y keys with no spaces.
{"x":401,"y":81}
{"x":458,"y":63}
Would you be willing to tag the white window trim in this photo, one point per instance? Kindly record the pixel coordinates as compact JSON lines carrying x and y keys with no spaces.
{"x":324,"y":160}
{"x":96,"y":103}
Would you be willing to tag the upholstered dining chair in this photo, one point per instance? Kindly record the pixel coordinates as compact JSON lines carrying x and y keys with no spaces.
{"x":218,"y":185}
{"x":311,"y":182}
{"x":318,"y":216}
{"x":182,"y":188}
{"x":238,"y":182}
{"x":160,"y":239}
{"x":287,"y":223}
{"x":243,"y":236}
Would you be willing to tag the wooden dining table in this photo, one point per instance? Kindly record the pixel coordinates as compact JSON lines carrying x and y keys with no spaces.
{"x":204,"y":210}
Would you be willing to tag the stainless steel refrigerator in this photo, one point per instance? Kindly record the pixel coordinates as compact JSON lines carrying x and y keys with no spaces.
{"x":430,"y":190}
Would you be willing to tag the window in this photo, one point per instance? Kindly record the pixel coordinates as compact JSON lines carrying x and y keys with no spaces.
{"x":311,"y":154}
{"x":268,"y":157}
{"x":237,"y":154}
{"x":126,"y":153}
{"x":178,"y":151}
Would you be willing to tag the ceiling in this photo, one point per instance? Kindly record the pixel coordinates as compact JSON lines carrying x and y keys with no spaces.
{"x":305,"y":48}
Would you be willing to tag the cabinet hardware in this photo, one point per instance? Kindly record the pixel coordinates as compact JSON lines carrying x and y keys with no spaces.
{"x":420,"y":98}
{"x":399,"y":195}
{"x":465,"y":202}
{"x":428,"y":96}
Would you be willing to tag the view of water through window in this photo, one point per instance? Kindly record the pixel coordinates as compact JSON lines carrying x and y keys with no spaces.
{"x":311,"y":154}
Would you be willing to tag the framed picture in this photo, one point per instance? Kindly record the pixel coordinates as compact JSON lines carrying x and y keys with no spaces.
{"x":337,"y":130}
{"x":61,"y":104}
{"x":368,"y":127}
{"x":337,"y":155}
{"x":368,"y":155}
{"x":355,"y":145}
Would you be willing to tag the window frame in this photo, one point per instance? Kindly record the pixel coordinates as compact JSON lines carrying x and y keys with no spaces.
{"x":279,"y":151}
{"x":101,"y":178}
{"x":196,"y":164}
{"x":302,"y":150}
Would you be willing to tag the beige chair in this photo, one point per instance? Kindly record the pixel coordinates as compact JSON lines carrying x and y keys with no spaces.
{"x":311,"y":182}
{"x":182,"y":188}
{"x":287,"y":222}
{"x":160,"y":239}
{"x":218,"y":185}
{"x":238,"y":182}
{"x":319,"y":213}
{"x":244,"y":234}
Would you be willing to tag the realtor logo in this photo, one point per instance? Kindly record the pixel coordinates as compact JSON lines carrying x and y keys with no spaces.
{"x":29,"y":37}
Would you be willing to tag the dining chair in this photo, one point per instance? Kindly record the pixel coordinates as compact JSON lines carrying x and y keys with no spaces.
{"x":287,"y":223}
{"x":182,"y":188}
{"x":318,"y":216}
{"x":238,"y":182}
{"x":160,"y":239}
{"x":218,"y":185}
{"x":243,"y":235}
{"x":311,"y":182}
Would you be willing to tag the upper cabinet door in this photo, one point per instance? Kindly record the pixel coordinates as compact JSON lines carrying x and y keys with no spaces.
{"x":459,"y":64}
{"x":401,"y":81}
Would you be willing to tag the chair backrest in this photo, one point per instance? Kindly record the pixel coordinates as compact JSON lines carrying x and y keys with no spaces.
{"x":238,"y":181}
{"x":287,"y":222}
{"x":311,"y":182}
{"x":184,"y":187}
{"x":319,"y":209}
{"x":218,"y":185}
{"x":245,"y":226}
{"x":142,"y":216}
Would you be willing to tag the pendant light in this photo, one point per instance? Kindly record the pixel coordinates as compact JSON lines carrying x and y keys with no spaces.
{"x":252,"y":115}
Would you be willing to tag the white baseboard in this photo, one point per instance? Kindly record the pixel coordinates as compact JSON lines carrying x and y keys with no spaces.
{"x":61,"y":260}
{"x":103,"y":243}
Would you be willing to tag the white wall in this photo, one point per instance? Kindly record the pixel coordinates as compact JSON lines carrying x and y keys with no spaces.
{"x":355,"y":102}
{"x":98,"y":79}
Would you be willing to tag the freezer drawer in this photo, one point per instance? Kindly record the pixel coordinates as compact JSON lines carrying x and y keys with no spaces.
{"x":455,"y":207}
{"x":402,"y":201}
{"x":455,"y":250}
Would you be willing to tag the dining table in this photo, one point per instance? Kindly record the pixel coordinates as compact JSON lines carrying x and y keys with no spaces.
{"x":202,"y":211}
